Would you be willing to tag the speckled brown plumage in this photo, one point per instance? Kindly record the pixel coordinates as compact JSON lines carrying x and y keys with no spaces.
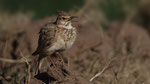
{"x":55,"y":36}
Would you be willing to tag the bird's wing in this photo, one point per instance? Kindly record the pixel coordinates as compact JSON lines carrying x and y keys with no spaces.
{"x":46,"y":37}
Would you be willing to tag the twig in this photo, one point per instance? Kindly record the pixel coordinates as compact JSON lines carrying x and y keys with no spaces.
{"x":99,"y":73}
{"x":22,"y":60}
{"x":29,"y":67}
{"x":11,"y":60}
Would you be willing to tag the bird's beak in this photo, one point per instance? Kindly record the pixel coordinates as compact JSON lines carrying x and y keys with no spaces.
{"x":73,"y":17}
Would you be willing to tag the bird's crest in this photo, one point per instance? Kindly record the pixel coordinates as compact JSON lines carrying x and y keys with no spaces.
{"x":62,"y":13}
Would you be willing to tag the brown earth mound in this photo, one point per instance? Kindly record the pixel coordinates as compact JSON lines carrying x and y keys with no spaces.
{"x":118,"y":56}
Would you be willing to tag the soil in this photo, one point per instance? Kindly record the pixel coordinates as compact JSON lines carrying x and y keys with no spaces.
{"x":121,"y":53}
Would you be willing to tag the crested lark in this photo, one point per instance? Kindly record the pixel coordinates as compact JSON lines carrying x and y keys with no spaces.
{"x":56,"y":36}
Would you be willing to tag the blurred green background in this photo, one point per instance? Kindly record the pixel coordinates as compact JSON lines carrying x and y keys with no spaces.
{"x":112,"y":9}
{"x":41,"y":8}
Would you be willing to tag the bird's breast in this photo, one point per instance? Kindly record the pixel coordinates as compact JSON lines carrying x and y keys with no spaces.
{"x":66,"y":37}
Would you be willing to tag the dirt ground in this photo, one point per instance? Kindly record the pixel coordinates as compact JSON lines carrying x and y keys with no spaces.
{"x":118,"y":55}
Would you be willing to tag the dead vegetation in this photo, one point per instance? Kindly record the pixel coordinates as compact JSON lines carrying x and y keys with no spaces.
{"x":119,"y":55}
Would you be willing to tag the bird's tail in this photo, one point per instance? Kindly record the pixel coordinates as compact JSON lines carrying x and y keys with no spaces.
{"x":35,"y":53}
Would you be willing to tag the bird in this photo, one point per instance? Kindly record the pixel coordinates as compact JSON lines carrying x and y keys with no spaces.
{"x":55,"y":37}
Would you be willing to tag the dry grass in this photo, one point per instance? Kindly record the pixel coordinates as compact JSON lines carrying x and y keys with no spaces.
{"x":119,"y":55}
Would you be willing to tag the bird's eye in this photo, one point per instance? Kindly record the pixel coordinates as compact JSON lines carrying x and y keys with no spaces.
{"x":63,"y":18}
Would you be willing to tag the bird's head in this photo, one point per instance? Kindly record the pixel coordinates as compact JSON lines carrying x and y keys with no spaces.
{"x":64,"y":19}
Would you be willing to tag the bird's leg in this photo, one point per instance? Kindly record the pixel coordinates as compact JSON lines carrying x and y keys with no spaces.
{"x":59,"y":56}
{"x":52,"y":61}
